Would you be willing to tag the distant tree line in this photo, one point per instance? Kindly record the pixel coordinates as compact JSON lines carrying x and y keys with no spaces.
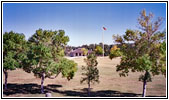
{"x":92,"y":47}
{"x":96,"y":47}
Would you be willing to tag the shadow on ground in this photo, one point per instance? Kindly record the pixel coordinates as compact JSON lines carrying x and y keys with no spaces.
{"x":27,"y":88}
{"x":35,"y":89}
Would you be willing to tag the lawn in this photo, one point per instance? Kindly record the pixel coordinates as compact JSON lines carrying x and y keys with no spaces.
{"x":22,"y":84}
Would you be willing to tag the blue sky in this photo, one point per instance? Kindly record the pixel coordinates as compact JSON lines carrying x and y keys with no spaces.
{"x":82,"y":22}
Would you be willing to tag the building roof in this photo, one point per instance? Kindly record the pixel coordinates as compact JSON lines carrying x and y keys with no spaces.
{"x":77,"y":50}
{"x":80,"y":51}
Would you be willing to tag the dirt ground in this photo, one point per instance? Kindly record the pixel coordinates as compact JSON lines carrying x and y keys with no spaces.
{"x":22,"y":84}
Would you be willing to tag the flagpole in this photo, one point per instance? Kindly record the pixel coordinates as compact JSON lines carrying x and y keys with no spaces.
{"x":103,"y":41}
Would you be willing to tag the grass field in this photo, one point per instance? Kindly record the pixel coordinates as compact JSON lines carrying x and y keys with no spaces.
{"x":22,"y":84}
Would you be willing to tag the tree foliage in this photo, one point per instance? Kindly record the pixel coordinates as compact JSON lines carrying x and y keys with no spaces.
{"x":14,"y":45}
{"x":114,"y":52}
{"x":46,"y":49}
{"x":84,"y":50}
{"x":39,"y":58}
{"x":99,"y":50}
{"x":68,"y":68}
{"x":56,"y":40}
{"x":162,"y":61}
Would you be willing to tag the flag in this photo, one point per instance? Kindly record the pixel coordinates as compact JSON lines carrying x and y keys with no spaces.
{"x":104,"y":28}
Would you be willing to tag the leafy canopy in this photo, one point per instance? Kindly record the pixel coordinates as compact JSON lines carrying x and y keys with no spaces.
{"x":84,"y":50}
{"x":144,"y":50}
{"x":46,"y":55}
{"x":114,"y":52}
{"x":14,"y":47}
{"x":99,"y":50}
{"x":56,"y":40}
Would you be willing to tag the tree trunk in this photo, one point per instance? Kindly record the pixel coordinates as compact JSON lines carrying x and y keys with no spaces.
{"x":144,"y":88}
{"x":42,"y":81}
{"x":89,"y":89}
{"x":6,"y":78}
{"x":145,"y":84}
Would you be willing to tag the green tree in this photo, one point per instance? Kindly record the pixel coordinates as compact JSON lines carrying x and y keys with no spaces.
{"x":162,"y":59}
{"x":85,"y":51}
{"x":14,"y":47}
{"x":114,"y":52}
{"x":146,"y":52}
{"x":99,"y":50}
{"x":45,"y":56}
{"x":91,"y":74}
